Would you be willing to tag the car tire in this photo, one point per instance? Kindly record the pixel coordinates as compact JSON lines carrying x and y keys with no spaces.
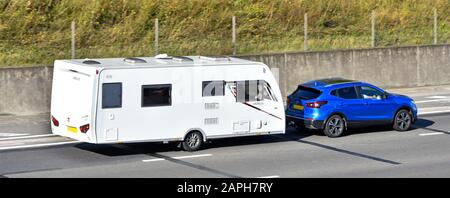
{"x":402,"y":120}
{"x":334,"y":126}
{"x":193,"y":141}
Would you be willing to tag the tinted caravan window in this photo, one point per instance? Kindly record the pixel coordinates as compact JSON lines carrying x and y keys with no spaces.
{"x":156,"y":95}
{"x":111,"y":95}
{"x":213,"y":88}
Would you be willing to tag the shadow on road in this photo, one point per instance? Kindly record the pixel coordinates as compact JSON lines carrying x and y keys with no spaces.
{"x":291,"y":135}
{"x":419,"y":124}
{"x":424,"y":124}
{"x":152,"y":147}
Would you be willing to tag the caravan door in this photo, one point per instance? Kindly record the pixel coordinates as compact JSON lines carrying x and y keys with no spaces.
{"x":111,"y":111}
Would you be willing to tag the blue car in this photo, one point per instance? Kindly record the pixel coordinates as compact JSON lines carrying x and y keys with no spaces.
{"x":335,"y":104}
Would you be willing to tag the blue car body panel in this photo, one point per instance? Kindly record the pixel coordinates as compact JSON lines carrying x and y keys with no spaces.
{"x":355,"y":111}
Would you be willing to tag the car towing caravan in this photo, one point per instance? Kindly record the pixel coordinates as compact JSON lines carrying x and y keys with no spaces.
{"x":189,"y":99}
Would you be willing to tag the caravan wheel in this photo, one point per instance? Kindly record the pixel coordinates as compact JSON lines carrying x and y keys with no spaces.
{"x":193,"y":141}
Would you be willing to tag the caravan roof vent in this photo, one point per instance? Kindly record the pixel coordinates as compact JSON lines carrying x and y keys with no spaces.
{"x":163,"y":56}
{"x":91,"y":62}
{"x":134,"y":60}
{"x":216,"y":58}
{"x":182,"y":59}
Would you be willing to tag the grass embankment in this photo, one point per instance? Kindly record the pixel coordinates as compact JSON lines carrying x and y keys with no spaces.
{"x":35,"y":32}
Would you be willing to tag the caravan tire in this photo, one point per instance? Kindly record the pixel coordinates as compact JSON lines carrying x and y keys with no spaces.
{"x":193,"y":141}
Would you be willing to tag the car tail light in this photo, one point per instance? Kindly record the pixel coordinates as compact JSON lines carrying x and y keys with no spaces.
{"x":288,"y":101}
{"x":84,"y":128}
{"x":316,"y":104}
{"x":55,"y":121}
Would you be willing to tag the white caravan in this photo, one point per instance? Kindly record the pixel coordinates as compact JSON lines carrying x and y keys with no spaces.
{"x":189,"y":99}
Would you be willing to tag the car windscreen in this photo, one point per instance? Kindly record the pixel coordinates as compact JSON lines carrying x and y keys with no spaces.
{"x":306,"y":93}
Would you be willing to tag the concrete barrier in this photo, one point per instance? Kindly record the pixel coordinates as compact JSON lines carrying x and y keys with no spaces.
{"x":25,"y":91}
{"x":28,"y":90}
{"x":386,"y":67}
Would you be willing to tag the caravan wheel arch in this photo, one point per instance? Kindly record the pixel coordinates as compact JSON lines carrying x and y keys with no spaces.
{"x":192,"y":130}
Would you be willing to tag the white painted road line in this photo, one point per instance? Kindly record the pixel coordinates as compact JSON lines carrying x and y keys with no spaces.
{"x":437,"y":97}
{"x":433,"y":112}
{"x":427,"y":134}
{"x":153,"y":160}
{"x":436,"y":100}
{"x":38,"y":145}
{"x":180,"y":157}
{"x":271,"y":176}
{"x":193,"y":156}
{"x":28,"y":136}
{"x":12,"y":134}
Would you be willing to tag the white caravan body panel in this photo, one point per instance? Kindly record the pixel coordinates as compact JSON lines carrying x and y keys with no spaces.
{"x":163,"y":100}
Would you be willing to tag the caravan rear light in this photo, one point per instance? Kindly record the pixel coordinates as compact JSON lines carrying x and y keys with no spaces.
{"x":55,"y":121}
{"x":84,"y":128}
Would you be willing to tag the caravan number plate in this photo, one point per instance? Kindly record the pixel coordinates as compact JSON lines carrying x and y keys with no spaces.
{"x":71,"y":129}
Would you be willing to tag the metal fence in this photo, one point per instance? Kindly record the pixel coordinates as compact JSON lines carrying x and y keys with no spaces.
{"x":234,"y":34}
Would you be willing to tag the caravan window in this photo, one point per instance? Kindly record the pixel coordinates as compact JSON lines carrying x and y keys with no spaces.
{"x":213,"y":88}
{"x":111,"y":95}
{"x":156,"y":95}
{"x":253,"y":90}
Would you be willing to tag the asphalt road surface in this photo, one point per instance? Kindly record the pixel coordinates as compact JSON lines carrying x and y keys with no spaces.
{"x":366,"y":152}
{"x":27,"y":149}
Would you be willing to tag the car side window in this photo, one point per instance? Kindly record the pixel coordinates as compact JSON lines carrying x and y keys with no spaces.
{"x":334,"y":93}
{"x":367,"y":92}
{"x":347,"y":93}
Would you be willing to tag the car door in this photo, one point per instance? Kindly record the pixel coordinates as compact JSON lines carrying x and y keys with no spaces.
{"x":353,"y":107}
{"x":379,"y":107}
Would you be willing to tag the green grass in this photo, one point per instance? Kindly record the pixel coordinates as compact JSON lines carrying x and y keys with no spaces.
{"x":36,"y":32}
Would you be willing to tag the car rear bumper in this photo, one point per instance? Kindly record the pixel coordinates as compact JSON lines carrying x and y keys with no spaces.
{"x":310,"y":124}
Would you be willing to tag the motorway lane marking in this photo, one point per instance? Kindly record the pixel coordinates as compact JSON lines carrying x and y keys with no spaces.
{"x":271,"y":176}
{"x":193,"y":156}
{"x":13,"y":134}
{"x":437,"y":97}
{"x":38,"y":145}
{"x":427,"y":134}
{"x":27,"y":137}
{"x":435,"y":100}
{"x":180,"y":157}
{"x":154,"y":160}
{"x":432,"y":112}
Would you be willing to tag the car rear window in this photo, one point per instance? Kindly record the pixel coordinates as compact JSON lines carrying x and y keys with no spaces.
{"x":306,"y":93}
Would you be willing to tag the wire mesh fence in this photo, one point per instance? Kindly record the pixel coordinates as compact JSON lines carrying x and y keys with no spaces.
{"x":309,"y":33}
